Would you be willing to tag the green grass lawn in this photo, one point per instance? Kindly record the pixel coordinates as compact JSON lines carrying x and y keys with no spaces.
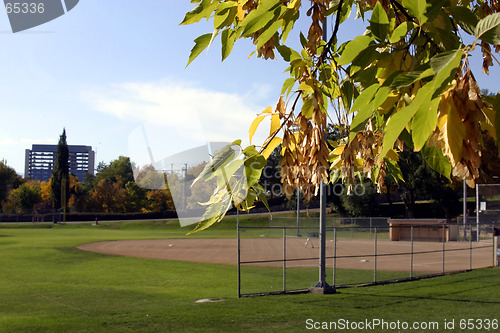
{"x":46,"y":285}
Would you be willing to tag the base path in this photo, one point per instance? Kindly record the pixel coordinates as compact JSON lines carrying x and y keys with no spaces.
{"x":351,"y":253}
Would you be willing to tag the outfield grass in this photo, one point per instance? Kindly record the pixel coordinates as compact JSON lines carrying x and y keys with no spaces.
{"x":46,"y":285}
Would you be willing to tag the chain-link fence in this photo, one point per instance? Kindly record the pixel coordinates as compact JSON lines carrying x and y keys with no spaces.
{"x":358,"y":251}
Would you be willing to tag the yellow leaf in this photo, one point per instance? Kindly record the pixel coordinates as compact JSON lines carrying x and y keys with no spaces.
{"x":268,"y":110}
{"x":339,"y":150}
{"x":392,"y":155}
{"x":337,"y":163}
{"x":275,"y":123}
{"x":271,"y":146}
{"x":453,"y":132}
{"x":359,"y":162}
{"x":241,"y":12}
{"x":254,"y":126}
{"x":294,"y":4}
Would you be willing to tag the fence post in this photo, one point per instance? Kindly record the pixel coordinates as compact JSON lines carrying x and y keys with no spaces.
{"x":470,"y":248}
{"x":495,"y":246}
{"x":239,"y":252}
{"x":411,"y":253}
{"x":477,"y":212}
{"x":284,"y":259}
{"x":334,"y":257}
{"x":375,"y":255}
{"x":298,"y":212}
{"x":444,"y":245}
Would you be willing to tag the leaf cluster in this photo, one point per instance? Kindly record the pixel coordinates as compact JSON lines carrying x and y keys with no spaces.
{"x":406,"y":81}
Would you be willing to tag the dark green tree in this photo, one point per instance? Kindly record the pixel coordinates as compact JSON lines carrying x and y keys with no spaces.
{"x":9,"y":179}
{"x":270,"y":178}
{"x":118,"y":170}
{"x":420,"y":180}
{"x":23,"y":199}
{"x":60,"y":175}
{"x":361,"y":199}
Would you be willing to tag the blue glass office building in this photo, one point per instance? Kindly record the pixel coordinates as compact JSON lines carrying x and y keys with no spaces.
{"x":40,"y":161}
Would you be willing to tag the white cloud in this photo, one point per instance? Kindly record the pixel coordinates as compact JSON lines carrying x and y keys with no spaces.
{"x":176,"y":116}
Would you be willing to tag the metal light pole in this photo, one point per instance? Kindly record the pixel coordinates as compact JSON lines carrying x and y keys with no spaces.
{"x":298,"y":211}
{"x":465,"y":207}
{"x":322,"y":287}
{"x":478,"y":206}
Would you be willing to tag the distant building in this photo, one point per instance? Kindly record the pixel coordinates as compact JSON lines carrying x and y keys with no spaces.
{"x":40,"y":161}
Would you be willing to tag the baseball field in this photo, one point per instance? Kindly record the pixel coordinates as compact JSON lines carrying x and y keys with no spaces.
{"x":48,"y":284}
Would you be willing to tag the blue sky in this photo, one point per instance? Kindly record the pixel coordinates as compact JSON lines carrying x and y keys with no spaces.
{"x":110,"y":71}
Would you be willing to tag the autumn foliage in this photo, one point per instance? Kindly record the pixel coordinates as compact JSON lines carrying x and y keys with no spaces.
{"x":405,"y":82}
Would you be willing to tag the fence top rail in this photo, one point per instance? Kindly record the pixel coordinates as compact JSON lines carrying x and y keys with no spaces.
{"x":335,"y":228}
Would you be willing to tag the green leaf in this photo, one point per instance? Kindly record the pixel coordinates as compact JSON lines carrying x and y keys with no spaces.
{"x":380,"y":97}
{"x":285,"y":52}
{"x":259,"y":18}
{"x":445,"y":66}
{"x":203,"y":10}
{"x":373,"y":97}
{"x":404,"y":80}
{"x":360,"y":120}
{"x":394,"y":170}
{"x":289,"y":19}
{"x":417,"y":8}
{"x":401,"y":31}
{"x":367,"y":76}
{"x":225,"y":15}
{"x":347,"y":94}
{"x":363,"y":59}
{"x":287,"y":86}
{"x":261,"y":194}
{"x":268,"y":33}
{"x":257,"y":23}
{"x":221,"y":157}
{"x":201,"y":43}
{"x":464,"y":17}
{"x":215,"y":212}
{"x":307,"y":108}
{"x":437,"y":161}
{"x":228,"y":37}
{"x":488,"y":29}
{"x":250,"y":151}
{"x":400,"y":119}
{"x":365,"y":97}
{"x":253,"y":169}
{"x":424,"y":122}
{"x":303,"y":40}
{"x":353,"y":48}
{"x":306,"y":87}
{"x":226,"y":172}
{"x":379,"y":22}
